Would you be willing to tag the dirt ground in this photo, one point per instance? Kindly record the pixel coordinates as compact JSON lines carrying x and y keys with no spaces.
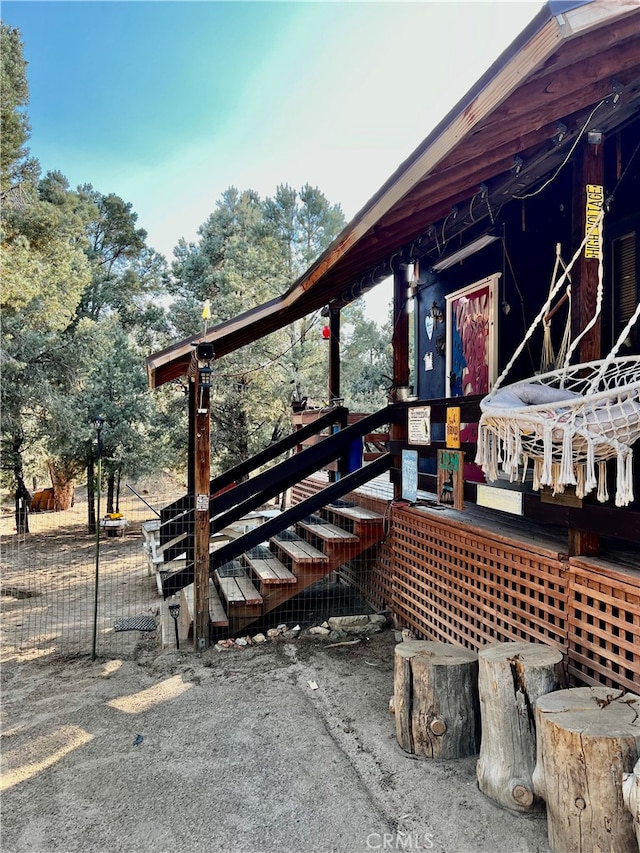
{"x":232,"y":751}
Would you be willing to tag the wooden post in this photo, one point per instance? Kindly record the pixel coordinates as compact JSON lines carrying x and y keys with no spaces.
{"x":202,"y":476}
{"x":631,"y":796}
{"x":400,"y":345}
{"x":589,"y":172}
{"x":511,"y":678}
{"x":334,"y":354}
{"x":588,"y":737}
{"x":435,"y":699}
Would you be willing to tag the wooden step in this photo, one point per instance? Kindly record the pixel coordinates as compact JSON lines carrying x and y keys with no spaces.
{"x":355,"y":513}
{"x":328,"y":532}
{"x":237,"y":589}
{"x":269,"y":570}
{"x":301,"y":552}
{"x":217,"y":612}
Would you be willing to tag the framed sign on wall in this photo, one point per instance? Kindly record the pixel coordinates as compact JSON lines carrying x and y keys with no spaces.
{"x":472,"y":341}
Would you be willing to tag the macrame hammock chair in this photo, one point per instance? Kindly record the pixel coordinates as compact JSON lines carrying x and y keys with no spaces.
{"x":566,"y":422}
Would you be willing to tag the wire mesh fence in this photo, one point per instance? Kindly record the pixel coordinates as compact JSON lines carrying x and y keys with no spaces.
{"x":48,"y":583}
{"x":48,"y":577}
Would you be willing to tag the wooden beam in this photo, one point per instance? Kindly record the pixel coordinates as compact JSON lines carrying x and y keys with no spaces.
{"x":400,"y":344}
{"x":334,"y":355}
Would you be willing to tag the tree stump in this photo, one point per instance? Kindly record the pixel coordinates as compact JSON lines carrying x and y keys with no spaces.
{"x":631,"y":796}
{"x":587,"y":738}
{"x":511,"y":677}
{"x":435,"y":698}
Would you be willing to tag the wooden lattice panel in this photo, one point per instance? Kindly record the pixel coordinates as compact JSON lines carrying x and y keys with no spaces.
{"x":467,"y":585}
{"x":604,"y":625}
{"x":370,"y":574}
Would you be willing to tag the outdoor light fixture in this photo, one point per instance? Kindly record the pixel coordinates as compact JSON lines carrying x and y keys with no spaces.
{"x":464,"y":252}
{"x":204,"y":376}
{"x":174,"y":612}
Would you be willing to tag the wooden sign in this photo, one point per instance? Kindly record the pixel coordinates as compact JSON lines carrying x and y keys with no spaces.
{"x":419,"y":425}
{"x":451,"y":478}
{"x":593,"y":230}
{"x":453,"y":427}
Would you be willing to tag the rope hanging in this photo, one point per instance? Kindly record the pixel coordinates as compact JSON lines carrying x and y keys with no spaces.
{"x":569,"y":421}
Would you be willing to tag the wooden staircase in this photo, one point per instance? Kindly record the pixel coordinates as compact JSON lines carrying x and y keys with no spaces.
{"x":245,"y":589}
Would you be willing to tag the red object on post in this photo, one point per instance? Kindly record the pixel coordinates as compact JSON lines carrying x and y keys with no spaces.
{"x":326,"y":333}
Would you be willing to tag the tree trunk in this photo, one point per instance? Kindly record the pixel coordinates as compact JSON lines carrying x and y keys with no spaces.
{"x":118,"y":481}
{"x":111,"y":482}
{"x":23,"y":499}
{"x":631,"y":796}
{"x":588,"y":737}
{"x":511,"y":677}
{"x":91,"y":501}
{"x":63,"y":486}
{"x":22,"y":496}
{"x":435,"y":699}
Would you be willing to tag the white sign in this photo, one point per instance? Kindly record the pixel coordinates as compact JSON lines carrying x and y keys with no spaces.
{"x":505,"y":500}
{"x":428,"y":361}
{"x":419,"y":425}
{"x":202,"y":503}
{"x":410,"y":475}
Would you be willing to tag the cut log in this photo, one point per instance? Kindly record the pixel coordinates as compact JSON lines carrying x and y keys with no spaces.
{"x":436,"y":699}
{"x":631,"y":796}
{"x":588,"y":737}
{"x":511,"y":677}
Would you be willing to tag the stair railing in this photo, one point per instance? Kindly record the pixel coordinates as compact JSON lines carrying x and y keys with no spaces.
{"x":245,"y":497}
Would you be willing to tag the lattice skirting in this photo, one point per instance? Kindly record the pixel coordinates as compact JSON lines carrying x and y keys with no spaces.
{"x":604,"y":626}
{"x":465,"y":585}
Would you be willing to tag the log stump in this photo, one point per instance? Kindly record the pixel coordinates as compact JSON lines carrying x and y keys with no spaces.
{"x":436,"y":699}
{"x":511,"y":677}
{"x":631,"y":796}
{"x":588,"y":737}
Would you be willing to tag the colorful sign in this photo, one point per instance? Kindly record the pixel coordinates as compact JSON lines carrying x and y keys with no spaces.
{"x":453,"y":427}
{"x":451,"y":478}
{"x":593,"y":228}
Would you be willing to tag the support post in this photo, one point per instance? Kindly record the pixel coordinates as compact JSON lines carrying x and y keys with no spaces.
{"x":202,"y":479}
{"x":589,"y":173}
{"x":584,"y":276}
{"x":334,"y":354}
{"x":400,"y":344}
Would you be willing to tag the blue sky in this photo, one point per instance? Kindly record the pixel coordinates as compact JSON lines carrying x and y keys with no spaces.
{"x":169,"y":103}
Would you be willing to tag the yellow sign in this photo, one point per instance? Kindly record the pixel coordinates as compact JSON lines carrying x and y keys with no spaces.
{"x":453,"y":426}
{"x":593,"y":228}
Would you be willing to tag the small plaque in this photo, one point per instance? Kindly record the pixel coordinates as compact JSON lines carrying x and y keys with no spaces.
{"x":410,"y":475}
{"x":453,"y":427}
{"x":451,"y":478}
{"x":202,"y":503}
{"x":505,"y":500}
{"x":419,"y":425}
